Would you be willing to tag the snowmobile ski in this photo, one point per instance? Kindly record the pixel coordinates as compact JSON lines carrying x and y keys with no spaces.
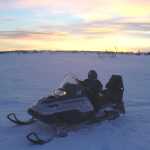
{"x":35,"y":139}
{"x":12,"y":117}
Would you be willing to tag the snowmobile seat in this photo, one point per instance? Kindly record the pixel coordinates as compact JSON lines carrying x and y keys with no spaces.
{"x":114,"y":91}
{"x":115,"y":82}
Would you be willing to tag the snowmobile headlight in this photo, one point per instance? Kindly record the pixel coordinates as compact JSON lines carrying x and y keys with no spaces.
{"x":64,"y":93}
{"x":60,"y":92}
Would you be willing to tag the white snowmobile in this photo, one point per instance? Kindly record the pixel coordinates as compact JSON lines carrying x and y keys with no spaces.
{"x":69,"y":104}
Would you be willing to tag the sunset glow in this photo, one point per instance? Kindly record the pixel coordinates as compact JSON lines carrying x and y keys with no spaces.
{"x":75,"y":25}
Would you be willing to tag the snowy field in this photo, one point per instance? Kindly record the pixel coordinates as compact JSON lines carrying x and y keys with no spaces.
{"x":27,"y":77}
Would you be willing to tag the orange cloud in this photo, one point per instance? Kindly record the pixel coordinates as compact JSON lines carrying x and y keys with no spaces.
{"x":31,"y":35}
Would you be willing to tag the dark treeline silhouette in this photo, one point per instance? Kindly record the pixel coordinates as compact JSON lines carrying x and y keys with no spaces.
{"x":74,"y":51}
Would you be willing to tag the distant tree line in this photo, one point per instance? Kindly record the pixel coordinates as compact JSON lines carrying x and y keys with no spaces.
{"x":74,"y":51}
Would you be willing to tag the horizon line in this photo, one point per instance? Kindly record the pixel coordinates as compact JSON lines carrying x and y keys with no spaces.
{"x":75,"y":51}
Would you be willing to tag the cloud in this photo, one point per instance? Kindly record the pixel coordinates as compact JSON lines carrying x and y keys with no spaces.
{"x":86,"y":9}
{"x":141,"y":26}
{"x":140,"y":29}
{"x":92,"y":29}
{"x":31,"y":35}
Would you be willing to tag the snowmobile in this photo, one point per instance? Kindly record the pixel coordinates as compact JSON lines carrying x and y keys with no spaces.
{"x":69,"y":104}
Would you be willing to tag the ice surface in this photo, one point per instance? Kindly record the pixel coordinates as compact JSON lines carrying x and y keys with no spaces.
{"x":27,"y":77}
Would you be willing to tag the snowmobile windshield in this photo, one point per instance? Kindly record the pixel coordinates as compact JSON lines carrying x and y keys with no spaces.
{"x":71,"y":86}
{"x":69,"y":79}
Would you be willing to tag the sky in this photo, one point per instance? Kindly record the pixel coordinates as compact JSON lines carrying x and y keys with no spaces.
{"x":117,"y":25}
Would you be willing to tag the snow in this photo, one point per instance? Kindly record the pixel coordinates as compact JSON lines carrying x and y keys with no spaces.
{"x":27,"y":77}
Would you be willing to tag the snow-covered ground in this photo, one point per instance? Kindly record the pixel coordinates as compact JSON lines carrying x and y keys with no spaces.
{"x":24,"y":78}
